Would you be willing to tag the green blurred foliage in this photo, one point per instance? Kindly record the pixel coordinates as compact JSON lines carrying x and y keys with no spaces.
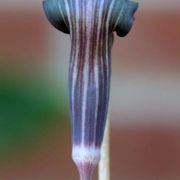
{"x":29,"y":110}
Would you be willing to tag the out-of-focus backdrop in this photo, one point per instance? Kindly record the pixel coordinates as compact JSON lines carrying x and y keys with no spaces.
{"x":35,"y":141}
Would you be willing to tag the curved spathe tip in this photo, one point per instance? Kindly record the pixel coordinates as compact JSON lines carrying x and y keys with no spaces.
{"x":55,"y":15}
{"x":126,"y":19}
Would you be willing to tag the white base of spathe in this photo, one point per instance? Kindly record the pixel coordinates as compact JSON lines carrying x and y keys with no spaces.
{"x":86,"y":154}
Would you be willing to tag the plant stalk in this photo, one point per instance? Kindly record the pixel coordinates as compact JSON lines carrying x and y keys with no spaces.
{"x":104,"y":164}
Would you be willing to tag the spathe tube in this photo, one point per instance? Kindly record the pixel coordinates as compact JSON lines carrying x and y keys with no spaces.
{"x":91,"y":24}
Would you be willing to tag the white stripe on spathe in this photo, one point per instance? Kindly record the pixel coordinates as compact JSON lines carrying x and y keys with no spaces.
{"x":85,"y":89}
{"x":88,"y":12}
{"x":75,"y":72}
{"x":96,"y":64}
{"x":107,"y":34}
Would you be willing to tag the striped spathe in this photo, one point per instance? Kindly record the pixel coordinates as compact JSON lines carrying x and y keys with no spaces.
{"x":91,"y":24}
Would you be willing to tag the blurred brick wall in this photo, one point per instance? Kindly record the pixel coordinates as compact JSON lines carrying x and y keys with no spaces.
{"x":23,"y":34}
{"x":152,"y":45}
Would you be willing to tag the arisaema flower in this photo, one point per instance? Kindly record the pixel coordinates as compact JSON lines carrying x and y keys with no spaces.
{"x":91,"y":24}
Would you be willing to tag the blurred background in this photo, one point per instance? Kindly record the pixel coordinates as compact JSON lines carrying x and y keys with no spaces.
{"x":35,"y":140}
